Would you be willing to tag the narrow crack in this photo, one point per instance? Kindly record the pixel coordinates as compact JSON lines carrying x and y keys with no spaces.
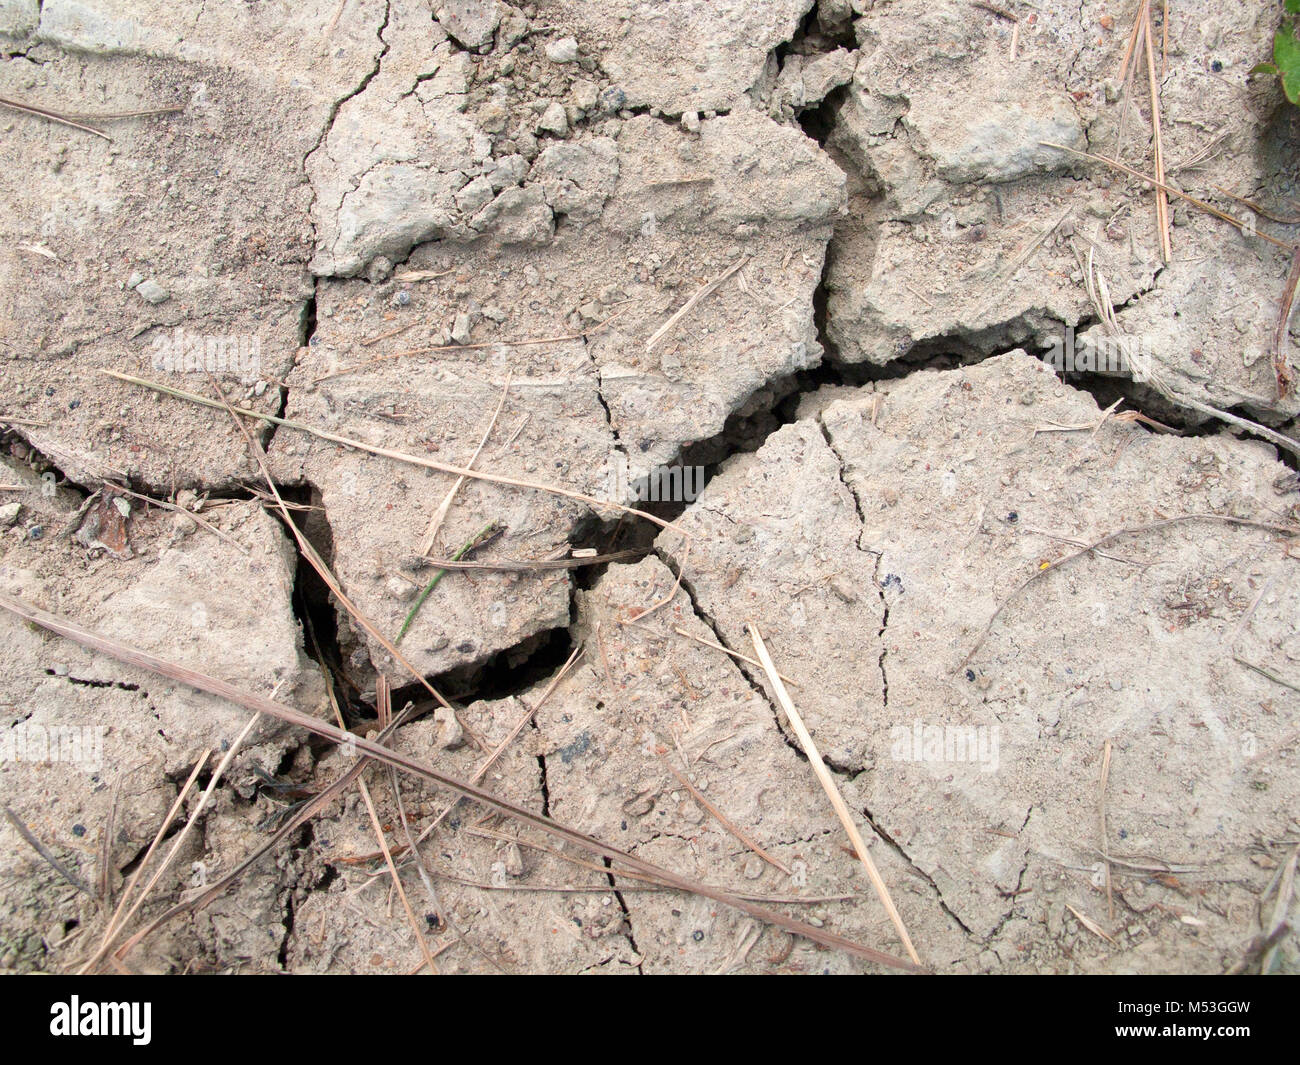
{"x":600,"y":398}
{"x":893,"y":845}
{"x":282,"y":953}
{"x":746,"y":671}
{"x":1015,"y":892}
{"x":328,"y":127}
{"x":628,"y":934}
{"x":90,"y":683}
{"x":877,"y":555}
{"x":742,"y":667}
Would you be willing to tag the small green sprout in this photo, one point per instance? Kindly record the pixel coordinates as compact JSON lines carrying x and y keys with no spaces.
{"x":1286,"y":55}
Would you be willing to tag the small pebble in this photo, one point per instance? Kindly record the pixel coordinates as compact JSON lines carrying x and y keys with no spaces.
{"x":554,"y":120}
{"x":150,"y":291}
{"x":565,"y":50}
{"x":612,"y":100}
{"x":402,"y":591}
{"x":450,"y":733}
{"x":460,"y":328}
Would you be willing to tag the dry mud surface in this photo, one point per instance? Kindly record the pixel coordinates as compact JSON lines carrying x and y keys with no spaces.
{"x":816,"y":251}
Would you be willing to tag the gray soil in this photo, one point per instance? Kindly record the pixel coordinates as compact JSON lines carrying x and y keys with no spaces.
{"x":819,"y":250}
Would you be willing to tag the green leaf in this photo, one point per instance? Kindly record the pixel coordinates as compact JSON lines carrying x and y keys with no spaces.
{"x":1293,"y":7}
{"x":1266,"y":68}
{"x":1286,"y":54}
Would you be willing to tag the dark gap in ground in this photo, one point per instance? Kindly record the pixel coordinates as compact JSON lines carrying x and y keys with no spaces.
{"x":133,"y":863}
{"x":508,"y":672}
{"x":286,"y":761}
{"x":327,"y":878}
{"x":18,"y":448}
{"x":307,"y":319}
{"x":817,"y":123}
{"x":955,"y":350}
{"x":817,"y":34}
{"x":892,"y":844}
{"x":609,"y":535}
{"x":1291,"y":460}
{"x":545,"y":785}
{"x":282,"y":955}
{"x":744,"y":433}
{"x":748,"y":672}
{"x":89,"y":683}
{"x":306,"y":335}
{"x":622,"y":905}
{"x":1105,"y":389}
{"x":305,"y":838}
{"x":319,"y":747}
{"x":313,"y":604}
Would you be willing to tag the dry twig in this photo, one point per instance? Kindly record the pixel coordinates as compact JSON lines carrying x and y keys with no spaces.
{"x":690,"y":304}
{"x":722,"y":818}
{"x":832,"y":792}
{"x":398,"y":456}
{"x":40,"y":849}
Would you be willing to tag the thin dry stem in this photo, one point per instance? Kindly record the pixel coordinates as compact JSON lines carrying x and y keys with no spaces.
{"x":691,"y":303}
{"x":435,"y":522}
{"x":398,"y":456}
{"x":723,"y":820}
{"x":832,"y":792}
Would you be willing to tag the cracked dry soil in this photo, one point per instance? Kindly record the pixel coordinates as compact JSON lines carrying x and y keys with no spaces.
{"x":427,"y":227}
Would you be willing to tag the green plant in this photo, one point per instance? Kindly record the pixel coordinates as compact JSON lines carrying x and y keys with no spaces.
{"x":1286,"y":55}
